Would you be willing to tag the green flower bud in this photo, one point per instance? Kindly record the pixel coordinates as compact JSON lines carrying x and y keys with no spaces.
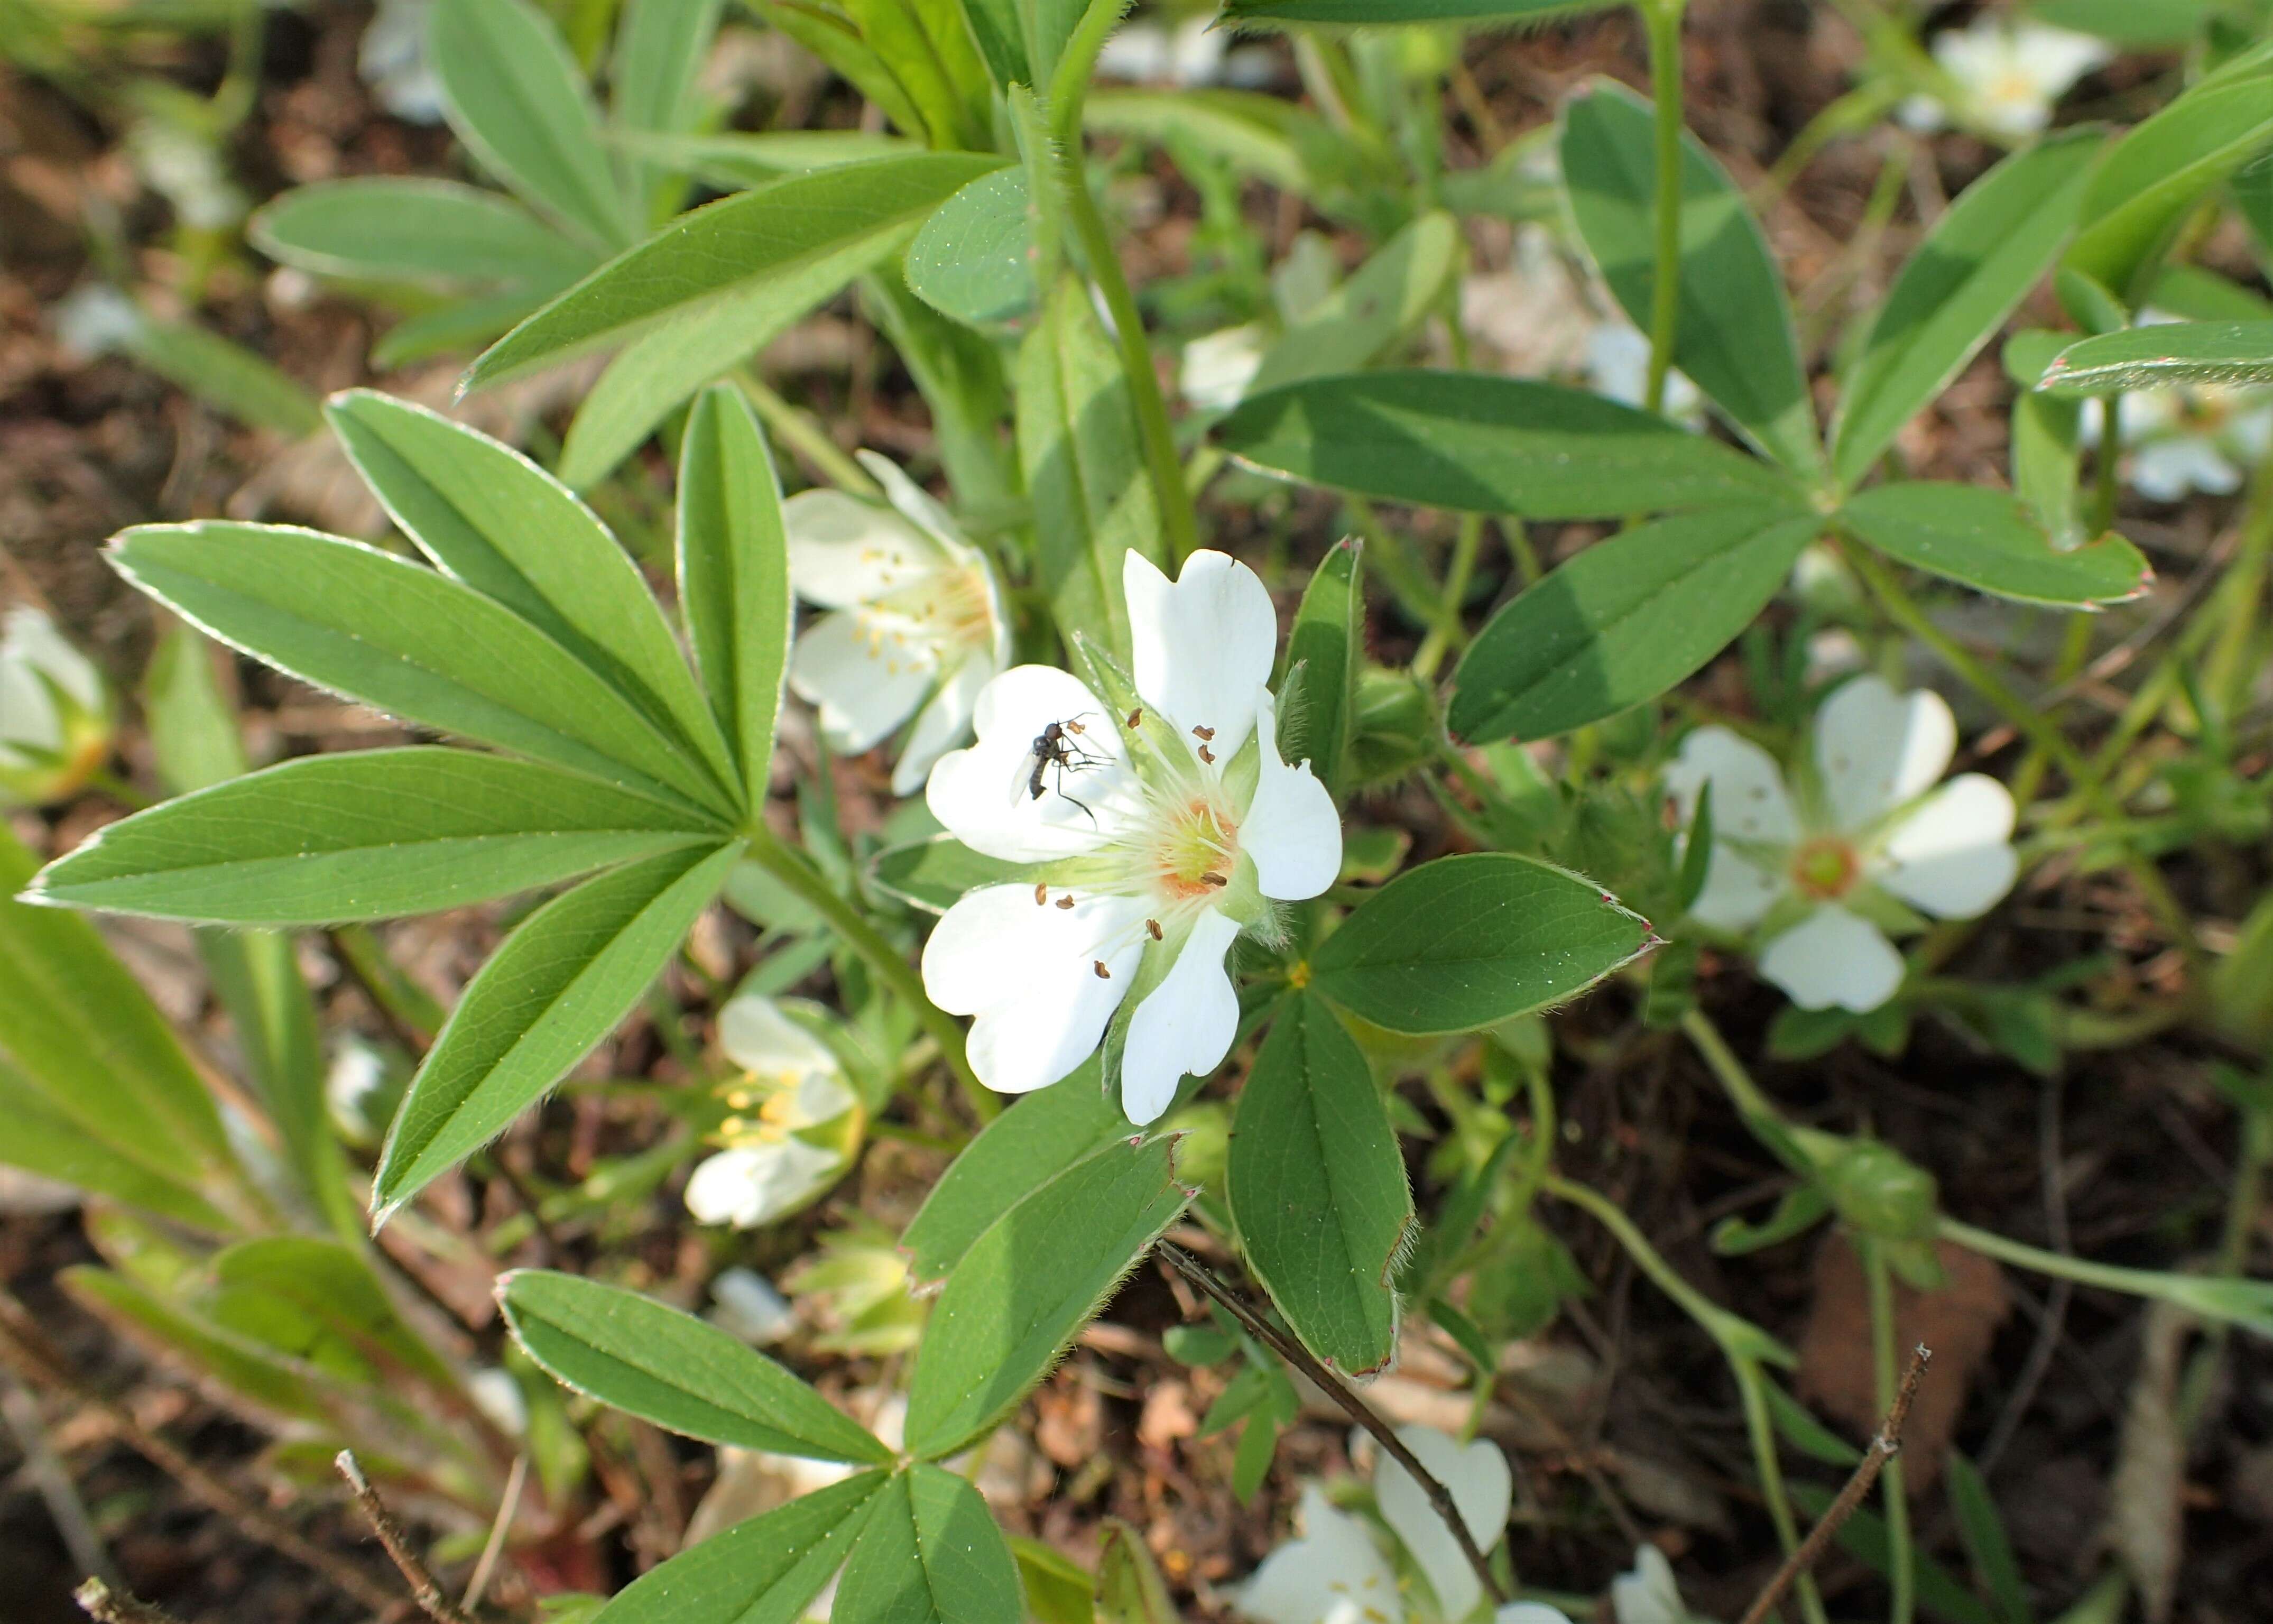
{"x":1880,"y":1192}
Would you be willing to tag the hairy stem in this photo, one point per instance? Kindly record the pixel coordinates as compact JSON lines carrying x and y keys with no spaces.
{"x":424,"y":1589}
{"x":1663,"y":17}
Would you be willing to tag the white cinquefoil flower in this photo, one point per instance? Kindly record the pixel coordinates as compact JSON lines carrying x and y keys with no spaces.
{"x":55,"y":718}
{"x":915,"y":624}
{"x":2195,"y":437}
{"x":1166,"y":830}
{"x":795,"y":1126}
{"x":1819,"y":871}
{"x":2005,"y":74}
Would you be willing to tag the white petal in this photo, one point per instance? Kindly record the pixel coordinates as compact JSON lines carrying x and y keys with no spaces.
{"x":2164,"y":471}
{"x":1647,"y":1594}
{"x":31,"y":637}
{"x":1291,"y":830}
{"x":1736,"y":890}
{"x":943,"y":722}
{"x":1203,"y":645}
{"x":1831,"y":958}
{"x":1876,"y":748}
{"x":758,"y":1037}
{"x":28,"y":713}
{"x":752,"y":1184}
{"x":1749,"y":800}
{"x":1027,"y":972}
{"x":1953,"y":856}
{"x":849,"y":667}
{"x":1185,"y":1025}
{"x":843,"y":551}
{"x":750,"y":1308}
{"x":915,"y":504}
{"x":1530,"y":1612}
{"x":979,"y":793}
{"x":1481,"y":1486}
{"x":1332,"y":1575}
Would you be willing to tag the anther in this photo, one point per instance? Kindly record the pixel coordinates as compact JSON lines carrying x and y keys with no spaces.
{"x":1214,"y":878}
{"x":1153,"y":925}
{"x":1136,"y":716}
{"x":1204,"y":733}
{"x":1066,"y":901}
{"x":1103,"y":975}
{"x":1207,"y":755}
{"x":1041,"y":894}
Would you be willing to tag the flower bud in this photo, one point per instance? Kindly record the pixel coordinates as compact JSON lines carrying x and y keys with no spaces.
{"x":55,"y":724}
{"x":1881,"y":1192}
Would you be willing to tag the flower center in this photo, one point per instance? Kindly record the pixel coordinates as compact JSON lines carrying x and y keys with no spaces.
{"x":949,"y":608}
{"x":773,"y":1096}
{"x":1194,"y":849}
{"x":1826,"y":869}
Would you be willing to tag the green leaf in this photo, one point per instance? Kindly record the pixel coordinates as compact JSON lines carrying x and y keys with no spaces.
{"x":1987,"y":540}
{"x":1466,"y":942}
{"x":960,"y":376}
{"x":2153,"y":178}
{"x":930,"y":1554}
{"x":334,"y":1287}
{"x":1986,"y":1545}
{"x":1624,"y":621}
{"x":558,"y":985}
{"x":193,"y":729}
{"x":659,"y":50}
{"x":1482,"y":444}
{"x":1039,"y":1137}
{"x":1317,"y":1188}
{"x":733,"y":575}
{"x":2165,"y":25}
{"x":1735,"y":337}
{"x":515,"y":97}
{"x":2046,"y":438}
{"x":830,"y":35}
{"x":439,"y":234}
{"x":764,"y":1571}
{"x":268,"y":1381}
{"x":226,"y":376}
{"x":1092,"y":501}
{"x":737,"y":245}
{"x":1058,"y":1590}
{"x":2166,"y":353}
{"x":684,"y":1374}
{"x":1958,"y":288}
{"x":398,"y":635}
{"x":491,"y":518}
{"x":367,"y":835}
{"x":934,"y":874}
{"x":735,"y":160}
{"x":96,"y":1083}
{"x":1386,"y":298}
{"x":1384,"y":13}
{"x":1129,"y":1588}
{"x":973,"y":259}
{"x":1327,"y":643}
{"x":1263,"y":137}
{"x":1027,"y":1285}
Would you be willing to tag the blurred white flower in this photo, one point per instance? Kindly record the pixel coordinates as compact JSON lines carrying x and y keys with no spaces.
{"x":55,"y":716}
{"x":185,"y":170}
{"x":746,"y":1305}
{"x":95,"y":319}
{"x":1617,"y":365}
{"x":1170,"y":830}
{"x":2195,"y":437}
{"x":914,"y":624}
{"x":1647,"y":1594}
{"x":1194,"y":52}
{"x":1535,"y":315}
{"x":1482,"y":1486}
{"x":1333,"y":1574}
{"x":1216,"y":370}
{"x":392,"y":60}
{"x":2004,"y":74}
{"x":795,"y":1125}
{"x":499,"y":1396}
{"x":1810,"y":870}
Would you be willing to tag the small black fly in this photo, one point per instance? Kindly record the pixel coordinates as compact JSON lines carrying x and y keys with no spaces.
{"x":1060,"y":746}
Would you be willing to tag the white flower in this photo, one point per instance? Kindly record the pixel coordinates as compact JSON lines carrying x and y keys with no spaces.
{"x":1216,"y":370}
{"x":1647,"y":1594}
{"x":391,"y":59}
{"x":1334,"y":1573}
{"x":2195,"y":437}
{"x":186,"y":169}
{"x":796,"y":1124}
{"x":1193,"y":53}
{"x":747,"y":1305}
{"x":2005,"y":75}
{"x":1481,"y":1486}
{"x":1861,"y":836}
{"x":96,"y":318}
{"x":55,"y":719}
{"x":1166,"y":830}
{"x":915,"y":624}
{"x":499,"y":1398}
{"x":1617,"y":365}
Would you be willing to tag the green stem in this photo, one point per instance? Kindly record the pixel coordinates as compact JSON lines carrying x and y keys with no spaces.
{"x":1759,"y":1427}
{"x":1448,"y":633}
{"x":797,"y":430}
{"x":1766,"y":1123}
{"x":1739,"y":1338}
{"x":118,"y":789}
{"x":1901,"y":1559}
{"x":1663,"y":17}
{"x":2183,"y":1290}
{"x":2106,"y":468}
{"x":791,"y":868}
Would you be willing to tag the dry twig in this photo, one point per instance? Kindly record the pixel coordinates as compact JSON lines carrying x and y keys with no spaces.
{"x":424,"y":1589}
{"x":1356,"y":1408}
{"x":1882,"y":1448}
{"x":106,"y":1605}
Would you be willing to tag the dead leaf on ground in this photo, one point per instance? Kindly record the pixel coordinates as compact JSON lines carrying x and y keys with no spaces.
{"x":2146,"y":1523}
{"x":1959,"y":1322}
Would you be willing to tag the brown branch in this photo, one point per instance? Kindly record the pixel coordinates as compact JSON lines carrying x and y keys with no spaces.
{"x":1882,"y":1448}
{"x":106,"y":1605}
{"x":26,"y":1350}
{"x":430,"y":1595}
{"x":1440,"y":1498}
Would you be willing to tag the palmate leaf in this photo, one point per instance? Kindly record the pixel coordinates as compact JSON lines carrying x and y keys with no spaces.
{"x":1481,"y":444}
{"x":557,"y":986}
{"x":671,"y":1368}
{"x":371,"y":835}
{"x":1318,"y":1190}
{"x":764,"y":1571}
{"x":400,"y":637}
